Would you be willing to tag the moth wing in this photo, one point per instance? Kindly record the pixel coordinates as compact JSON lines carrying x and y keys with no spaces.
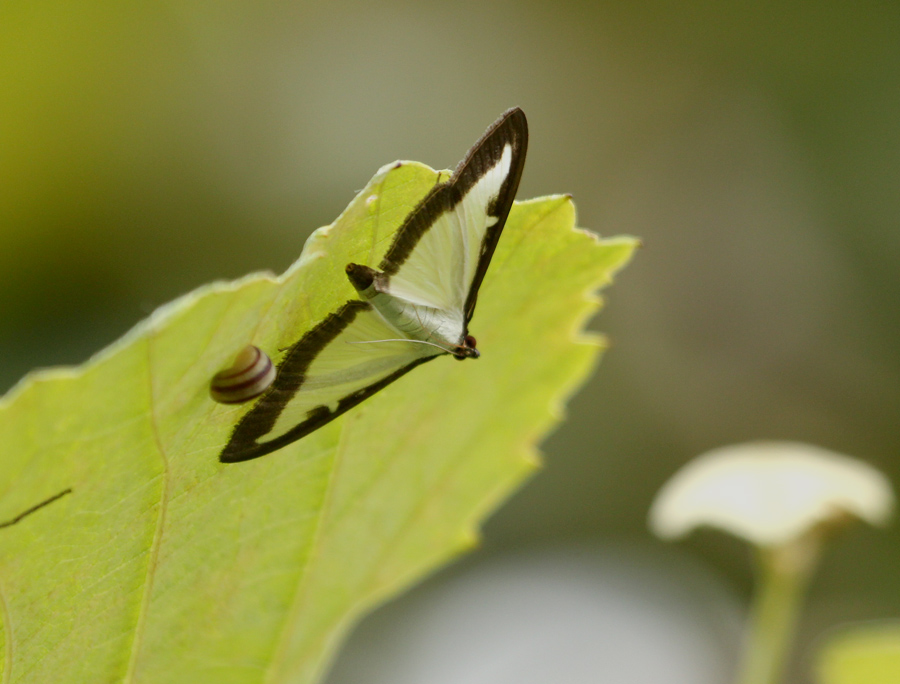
{"x":342,"y":361}
{"x":440,"y":254}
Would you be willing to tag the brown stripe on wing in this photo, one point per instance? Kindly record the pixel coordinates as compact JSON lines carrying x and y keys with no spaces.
{"x":511,"y":128}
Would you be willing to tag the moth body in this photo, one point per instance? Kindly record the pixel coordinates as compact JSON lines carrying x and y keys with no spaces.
{"x":413,"y":319}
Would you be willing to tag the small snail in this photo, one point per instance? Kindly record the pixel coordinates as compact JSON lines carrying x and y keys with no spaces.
{"x":249,"y":376}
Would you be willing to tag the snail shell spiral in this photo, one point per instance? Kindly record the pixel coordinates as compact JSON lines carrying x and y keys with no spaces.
{"x":249,"y":376}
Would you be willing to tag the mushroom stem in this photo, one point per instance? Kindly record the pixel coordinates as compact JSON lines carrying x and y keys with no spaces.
{"x":783,"y":574}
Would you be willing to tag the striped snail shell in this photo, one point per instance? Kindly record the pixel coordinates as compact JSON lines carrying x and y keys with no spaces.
{"x":249,"y":376}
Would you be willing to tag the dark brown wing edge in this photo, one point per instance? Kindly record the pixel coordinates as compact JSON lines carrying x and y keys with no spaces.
{"x":511,"y":127}
{"x":259,"y":421}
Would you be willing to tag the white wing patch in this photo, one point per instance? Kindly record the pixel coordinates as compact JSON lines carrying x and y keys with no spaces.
{"x":440,"y":270}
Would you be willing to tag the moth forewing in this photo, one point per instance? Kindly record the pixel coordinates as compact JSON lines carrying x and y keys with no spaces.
{"x":442,"y":268}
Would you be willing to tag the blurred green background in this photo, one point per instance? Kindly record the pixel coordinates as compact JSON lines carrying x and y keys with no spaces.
{"x":149,"y":147}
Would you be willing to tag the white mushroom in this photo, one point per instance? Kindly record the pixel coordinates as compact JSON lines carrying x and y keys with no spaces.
{"x":784,"y":498}
{"x":769,"y":492}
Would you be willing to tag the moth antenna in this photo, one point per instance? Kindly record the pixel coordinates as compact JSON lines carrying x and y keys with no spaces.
{"x":406,"y":340}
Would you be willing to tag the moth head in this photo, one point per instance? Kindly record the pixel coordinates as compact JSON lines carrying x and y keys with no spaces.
{"x":467,"y":349}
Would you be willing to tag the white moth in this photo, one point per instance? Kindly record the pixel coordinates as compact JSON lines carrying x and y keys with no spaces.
{"x":414,"y":307}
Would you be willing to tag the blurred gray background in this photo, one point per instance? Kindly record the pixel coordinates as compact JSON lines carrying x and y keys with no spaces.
{"x":149,"y":147}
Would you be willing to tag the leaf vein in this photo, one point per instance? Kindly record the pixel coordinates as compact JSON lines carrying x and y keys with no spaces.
{"x":153,"y":560}
{"x":291,"y":616}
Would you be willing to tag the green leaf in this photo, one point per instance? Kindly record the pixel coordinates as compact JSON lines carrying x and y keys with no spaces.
{"x":164,"y":565}
{"x":868,"y":654}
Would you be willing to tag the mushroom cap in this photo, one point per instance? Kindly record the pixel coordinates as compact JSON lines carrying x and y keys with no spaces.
{"x":769,"y":492}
